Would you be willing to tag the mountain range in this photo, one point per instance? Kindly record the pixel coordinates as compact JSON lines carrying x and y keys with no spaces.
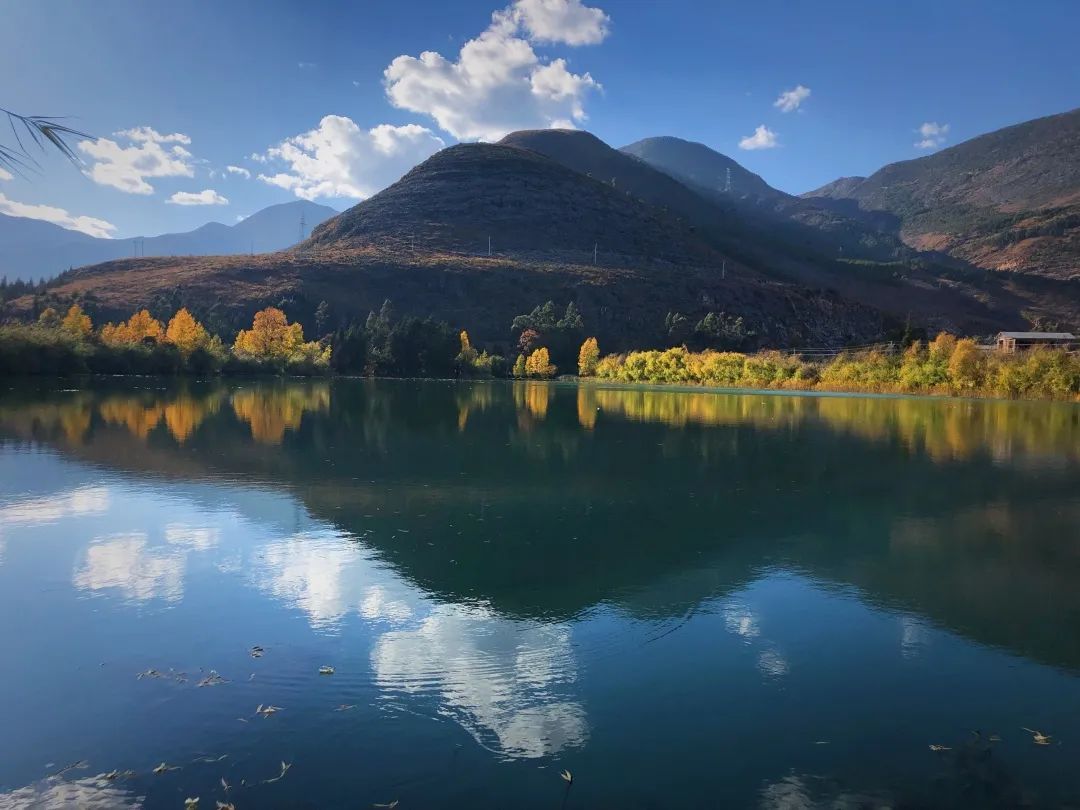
{"x":31,"y":249}
{"x":479,"y":233}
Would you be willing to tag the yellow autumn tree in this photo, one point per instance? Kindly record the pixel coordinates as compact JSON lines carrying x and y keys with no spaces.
{"x":77,"y":322}
{"x":588,"y":357}
{"x":468,"y":353}
{"x":538,"y":364}
{"x":186,"y":333}
{"x":272,"y":338}
{"x":139,"y":327}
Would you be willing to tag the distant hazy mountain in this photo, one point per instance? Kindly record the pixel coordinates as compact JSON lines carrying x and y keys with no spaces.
{"x":31,"y":249}
{"x":1008,"y":200}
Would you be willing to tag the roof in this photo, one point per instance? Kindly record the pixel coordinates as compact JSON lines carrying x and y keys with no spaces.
{"x":1038,"y":335}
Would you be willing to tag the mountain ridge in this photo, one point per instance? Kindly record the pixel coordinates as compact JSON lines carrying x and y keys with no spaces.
{"x":31,"y":249}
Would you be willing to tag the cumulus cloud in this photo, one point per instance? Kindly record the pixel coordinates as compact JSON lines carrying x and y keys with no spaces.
{"x":147,"y":154}
{"x":931,"y":135}
{"x":763,"y":138}
{"x":791,"y":100}
{"x":92,"y":226}
{"x":340,"y":159}
{"x":205,"y":197}
{"x":498,"y":82}
{"x":5,"y":175}
{"x":240,"y":170}
{"x":565,"y":21}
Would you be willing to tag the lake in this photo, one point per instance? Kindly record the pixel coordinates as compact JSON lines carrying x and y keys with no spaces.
{"x":683,"y":598}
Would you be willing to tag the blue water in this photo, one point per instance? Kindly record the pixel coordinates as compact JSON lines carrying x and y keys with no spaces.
{"x":685,"y":599}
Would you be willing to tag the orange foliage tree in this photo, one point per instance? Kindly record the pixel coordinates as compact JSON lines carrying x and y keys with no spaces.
{"x":271,"y":337}
{"x":139,"y":327}
{"x":186,"y":333}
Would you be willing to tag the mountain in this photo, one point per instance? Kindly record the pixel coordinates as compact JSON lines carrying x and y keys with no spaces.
{"x":31,"y":249}
{"x":480,"y":233}
{"x":555,"y":234}
{"x":1007,"y":200}
{"x":521,"y":200}
{"x":805,"y":225}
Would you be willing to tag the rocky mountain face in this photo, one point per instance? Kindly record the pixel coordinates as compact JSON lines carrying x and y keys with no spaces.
{"x":31,"y":249}
{"x":1007,"y":200}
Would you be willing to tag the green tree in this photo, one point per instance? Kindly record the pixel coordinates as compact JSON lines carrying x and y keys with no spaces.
{"x":519,"y":366}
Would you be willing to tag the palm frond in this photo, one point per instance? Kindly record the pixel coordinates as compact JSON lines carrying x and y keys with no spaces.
{"x":40,"y":132}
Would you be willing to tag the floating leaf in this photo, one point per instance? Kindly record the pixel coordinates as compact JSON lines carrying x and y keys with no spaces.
{"x":995,"y":738}
{"x":191,"y":804}
{"x":150,"y":673}
{"x":225,"y":784}
{"x":81,"y":764}
{"x":284,"y":769}
{"x":326,"y":670}
{"x":392,"y":804}
{"x":266,"y":711}
{"x":567,"y":777}
{"x":213,"y":679}
{"x":940,"y":748}
{"x":1038,"y":737}
{"x":226,"y":806}
{"x":344,"y":707}
{"x":209,"y":759}
{"x":257,"y":651}
{"x":162,"y":768}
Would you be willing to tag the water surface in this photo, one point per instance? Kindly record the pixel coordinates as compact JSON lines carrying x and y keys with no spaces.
{"x":684,"y":598}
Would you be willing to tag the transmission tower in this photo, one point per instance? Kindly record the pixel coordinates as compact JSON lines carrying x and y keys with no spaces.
{"x":303,"y":232}
{"x":727,"y":183}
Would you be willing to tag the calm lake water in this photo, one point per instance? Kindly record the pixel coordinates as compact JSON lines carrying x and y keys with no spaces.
{"x":686,"y":599}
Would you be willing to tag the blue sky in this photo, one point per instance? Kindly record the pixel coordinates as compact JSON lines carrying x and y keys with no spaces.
{"x":331,"y":101}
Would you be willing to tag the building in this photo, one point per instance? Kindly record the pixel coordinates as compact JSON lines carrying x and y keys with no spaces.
{"x":1018,"y":341}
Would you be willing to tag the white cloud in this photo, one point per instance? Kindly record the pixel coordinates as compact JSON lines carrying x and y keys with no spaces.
{"x":147,"y":154}
{"x":339,"y":159}
{"x":565,"y":21}
{"x":932,"y":135}
{"x":5,"y":175}
{"x":91,"y":226}
{"x":791,"y":100}
{"x":499,"y":83}
{"x":240,"y":170}
{"x":205,"y":197}
{"x":763,"y":138}
{"x":306,"y":65}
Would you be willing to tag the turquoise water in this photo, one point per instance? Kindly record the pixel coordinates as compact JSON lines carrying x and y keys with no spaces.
{"x":686,"y":599}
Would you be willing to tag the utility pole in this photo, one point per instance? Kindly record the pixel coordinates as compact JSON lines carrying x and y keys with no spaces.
{"x":594,"y":249}
{"x":727,"y":184}
{"x":489,"y":246}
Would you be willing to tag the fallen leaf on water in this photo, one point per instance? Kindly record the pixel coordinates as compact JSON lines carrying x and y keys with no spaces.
{"x":326,"y":670}
{"x":567,"y":777}
{"x":266,"y":711}
{"x":162,"y":768}
{"x":213,"y":679}
{"x":284,"y":769}
{"x":225,"y":784}
{"x":82,"y":763}
{"x":226,"y":806}
{"x":209,"y":759}
{"x":150,"y":673}
{"x":344,"y":707}
{"x":940,"y":748}
{"x":390,"y":805}
{"x":191,"y":804}
{"x":1038,"y":737}
{"x":257,"y":651}
{"x":821,"y":742}
{"x":995,"y":738}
